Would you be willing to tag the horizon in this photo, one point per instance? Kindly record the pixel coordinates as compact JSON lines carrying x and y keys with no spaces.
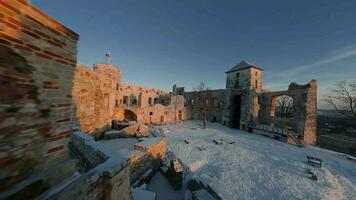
{"x":160,"y":43}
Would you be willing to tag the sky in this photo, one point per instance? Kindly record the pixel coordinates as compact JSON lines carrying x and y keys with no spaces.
{"x":159,"y":43}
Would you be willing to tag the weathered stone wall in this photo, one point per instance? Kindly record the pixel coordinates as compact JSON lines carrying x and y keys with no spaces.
{"x":304,"y":116}
{"x":37,"y":61}
{"x":100,"y":97}
{"x":152,"y":157}
{"x":240,"y":81}
{"x":257,"y":104}
{"x":220,"y":103}
{"x":245,"y":79}
{"x":108,"y":176}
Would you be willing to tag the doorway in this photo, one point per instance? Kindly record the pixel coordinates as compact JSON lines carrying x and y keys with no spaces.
{"x":236,"y":112}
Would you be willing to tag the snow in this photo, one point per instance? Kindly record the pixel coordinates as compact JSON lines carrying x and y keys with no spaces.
{"x":160,"y":184}
{"x":257,"y":167}
{"x":114,"y":163}
{"x":140,"y":194}
{"x":158,"y":131}
{"x":203,"y":195}
{"x":122,"y":143}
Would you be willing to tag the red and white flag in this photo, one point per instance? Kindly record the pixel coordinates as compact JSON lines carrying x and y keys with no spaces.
{"x":108,"y":55}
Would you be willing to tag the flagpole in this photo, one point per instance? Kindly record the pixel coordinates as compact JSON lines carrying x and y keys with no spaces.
{"x":108,"y":55}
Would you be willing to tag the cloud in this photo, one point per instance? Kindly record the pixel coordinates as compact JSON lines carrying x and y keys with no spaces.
{"x":322,"y":69}
{"x":338,"y":65}
{"x":334,"y":57}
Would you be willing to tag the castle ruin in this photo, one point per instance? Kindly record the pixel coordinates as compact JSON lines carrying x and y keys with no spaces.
{"x":43,"y":91}
{"x":100,"y":97}
{"x":246,"y":105}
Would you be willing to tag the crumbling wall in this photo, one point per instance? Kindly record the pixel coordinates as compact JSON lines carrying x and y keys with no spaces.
{"x":37,"y":62}
{"x":91,"y":101}
{"x":304,"y":116}
{"x":100,"y":98}
{"x":220,"y":108}
{"x":108,"y":176}
{"x":153,"y":152}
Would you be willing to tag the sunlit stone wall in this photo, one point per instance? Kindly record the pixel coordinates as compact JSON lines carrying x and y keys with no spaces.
{"x":37,"y":61}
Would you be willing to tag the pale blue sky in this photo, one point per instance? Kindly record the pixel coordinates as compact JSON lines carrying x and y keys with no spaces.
{"x":159,"y":43}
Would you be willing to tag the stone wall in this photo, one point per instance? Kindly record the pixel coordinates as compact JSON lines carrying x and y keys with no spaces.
{"x":37,"y":61}
{"x":154,"y":151}
{"x":219,"y":106}
{"x":245,"y":79}
{"x":101,"y":97}
{"x":108,"y":176}
{"x":304,"y":115}
{"x":257,"y":105}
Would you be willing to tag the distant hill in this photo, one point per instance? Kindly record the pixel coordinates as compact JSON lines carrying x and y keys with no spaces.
{"x":330,"y":121}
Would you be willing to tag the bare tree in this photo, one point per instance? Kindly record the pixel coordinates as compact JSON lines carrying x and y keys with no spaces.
{"x":203,"y":104}
{"x":343,"y":99}
{"x":285,"y":106}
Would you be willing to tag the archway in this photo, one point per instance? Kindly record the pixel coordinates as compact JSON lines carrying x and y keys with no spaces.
{"x":283,"y":106}
{"x":130,"y":116}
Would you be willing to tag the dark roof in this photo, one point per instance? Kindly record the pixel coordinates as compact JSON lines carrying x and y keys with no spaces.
{"x":242,"y":65}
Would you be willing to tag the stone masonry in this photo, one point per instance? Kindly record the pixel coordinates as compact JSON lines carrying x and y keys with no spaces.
{"x":101,"y":97}
{"x":37,"y":61}
{"x":244,"y":103}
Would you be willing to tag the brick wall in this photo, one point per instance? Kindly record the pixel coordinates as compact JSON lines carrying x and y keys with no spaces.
{"x":37,"y":61}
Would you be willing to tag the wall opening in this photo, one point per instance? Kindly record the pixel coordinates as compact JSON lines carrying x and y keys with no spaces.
{"x":237,"y":83}
{"x":235,"y":123}
{"x":133,"y":100}
{"x":130,"y":116}
{"x":125,"y":100}
{"x":283,"y":106}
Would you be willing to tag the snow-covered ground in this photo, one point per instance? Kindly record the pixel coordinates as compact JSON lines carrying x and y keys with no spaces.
{"x":160,"y":184}
{"x":257,"y":167}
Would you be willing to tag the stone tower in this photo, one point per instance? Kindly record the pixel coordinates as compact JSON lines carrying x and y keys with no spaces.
{"x":244,"y":76}
{"x":108,"y":70}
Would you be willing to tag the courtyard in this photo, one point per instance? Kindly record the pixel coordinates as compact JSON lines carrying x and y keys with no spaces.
{"x":251,"y":166}
{"x":111,"y":113}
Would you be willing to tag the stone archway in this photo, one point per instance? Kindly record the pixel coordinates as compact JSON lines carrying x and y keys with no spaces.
{"x":282,"y":106}
{"x":130,"y":116}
